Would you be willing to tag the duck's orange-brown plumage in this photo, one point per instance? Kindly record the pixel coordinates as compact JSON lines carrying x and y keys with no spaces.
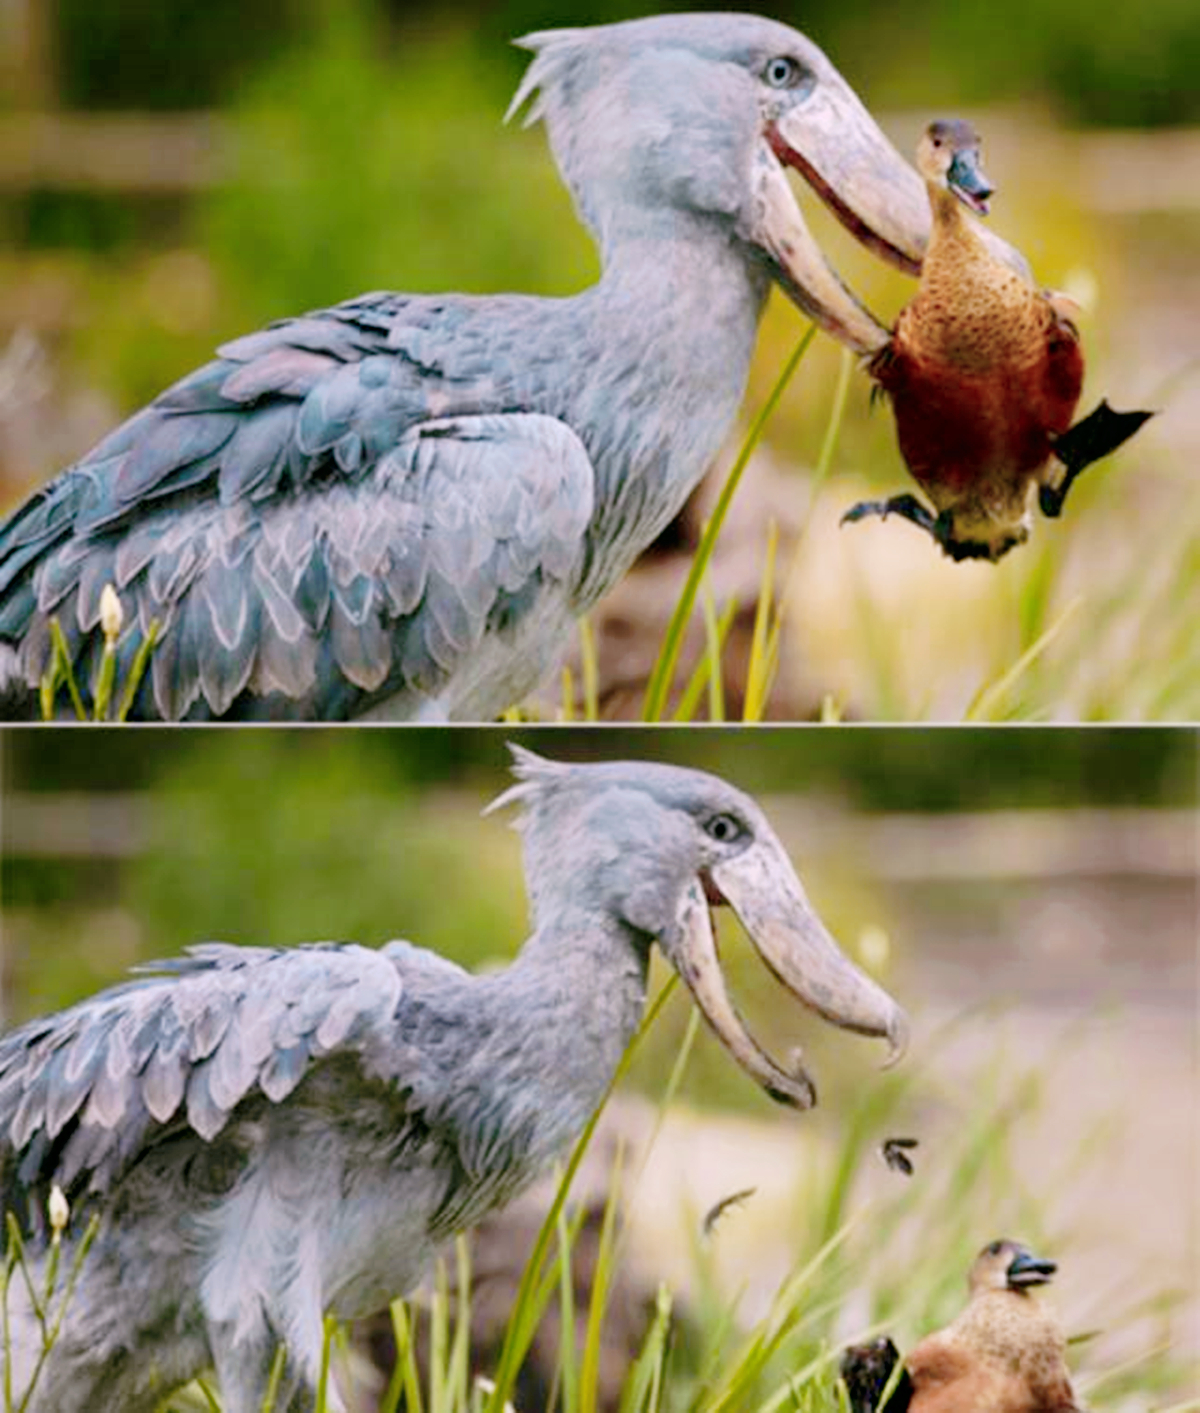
{"x":1003,"y":1354}
{"x":983,"y":371}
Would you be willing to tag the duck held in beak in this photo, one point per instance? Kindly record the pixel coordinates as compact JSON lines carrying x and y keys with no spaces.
{"x":832,"y":141}
{"x":984,"y":373}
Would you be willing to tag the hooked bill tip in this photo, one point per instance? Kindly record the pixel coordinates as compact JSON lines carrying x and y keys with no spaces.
{"x":794,"y":1085}
{"x":897,"y":1038}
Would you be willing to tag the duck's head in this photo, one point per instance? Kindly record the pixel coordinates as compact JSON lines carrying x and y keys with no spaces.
{"x":948,"y":158}
{"x":1007,"y":1265}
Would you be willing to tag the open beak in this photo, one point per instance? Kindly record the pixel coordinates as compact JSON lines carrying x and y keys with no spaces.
{"x":1026,"y":1269}
{"x":762,"y":888}
{"x":966,"y":180}
{"x":835,"y":144}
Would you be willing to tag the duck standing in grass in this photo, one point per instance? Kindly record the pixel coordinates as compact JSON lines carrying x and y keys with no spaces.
{"x":984,"y":372}
{"x":1003,"y":1354}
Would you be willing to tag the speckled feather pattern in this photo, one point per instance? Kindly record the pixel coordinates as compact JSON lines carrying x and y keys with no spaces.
{"x":1004,"y":1354}
{"x":982,"y":371}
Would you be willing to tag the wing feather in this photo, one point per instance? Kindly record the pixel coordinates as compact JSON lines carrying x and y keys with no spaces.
{"x":189,"y":1041}
{"x":306,"y":522}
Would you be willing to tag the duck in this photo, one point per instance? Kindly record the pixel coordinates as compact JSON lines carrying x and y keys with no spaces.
{"x":984,"y":373}
{"x":1005,"y":1353}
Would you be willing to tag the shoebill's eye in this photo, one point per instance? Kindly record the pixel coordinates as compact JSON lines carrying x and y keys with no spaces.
{"x":783,"y":72}
{"x":724,"y":828}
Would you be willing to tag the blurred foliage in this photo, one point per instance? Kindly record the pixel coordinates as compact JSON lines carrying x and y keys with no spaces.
{"x":878,"y":768}
{"x":303,"y":842}
{"x":1134,"y":65}
{"x":360,"y":157}
{"x":111,"y":54}
{"x":1130,"y":67}
{"x":279,"y":836}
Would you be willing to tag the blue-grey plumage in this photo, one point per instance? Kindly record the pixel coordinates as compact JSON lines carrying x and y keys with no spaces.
{"x":400,"y":505}
{"x":268,"y":1135}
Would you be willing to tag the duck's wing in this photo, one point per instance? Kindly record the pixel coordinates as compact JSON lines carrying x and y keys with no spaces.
{"x":939,"y":1360}
{"x":325,"y":515}
{"x":866,"y":1369}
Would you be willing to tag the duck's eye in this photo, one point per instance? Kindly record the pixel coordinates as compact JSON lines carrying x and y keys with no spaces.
{"x":724,"y":828}
{"x":783,"y":72}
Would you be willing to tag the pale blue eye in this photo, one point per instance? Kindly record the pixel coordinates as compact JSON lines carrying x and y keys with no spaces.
{"x":724,"y":828}
{"x":783,"y":72}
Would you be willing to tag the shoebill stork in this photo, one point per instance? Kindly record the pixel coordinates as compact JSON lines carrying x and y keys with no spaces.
{"x":270,"y":1135}
{"x":399,"y":506}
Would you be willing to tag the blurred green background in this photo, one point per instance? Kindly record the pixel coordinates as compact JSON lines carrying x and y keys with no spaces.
{"x":173,"y":176}
{"x":121,"y":846}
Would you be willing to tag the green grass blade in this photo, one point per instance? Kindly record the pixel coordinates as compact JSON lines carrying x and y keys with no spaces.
{"x":689,"y":698}
{"x":460,"y":1348}
{"x":833,"y":429}
{"x":589,"y":666}
{"x":712,"y":651}
{"x":829,"y":443}
{"x":517,"y":1336}
{"x":567,"y":1364}
{"x":406,"y":1377}
{"x":138,"y":670}
{"x":104,"y":684}
{"x":601,"y":1284}
{"x":323,"y":1375}
{"x":760,"y":672}
{"x":566,"y":709}
{"x":664,"y":668}
{"x":439,"y":1320}
{"x":210,"y":1398}
{"x":988,"y":701}
{"x":65,"y":673}
{"x":643,"y":1386}
{"x":268,"y":1403}
{"x":733,"y":1391}
{"x":7,"y":1328}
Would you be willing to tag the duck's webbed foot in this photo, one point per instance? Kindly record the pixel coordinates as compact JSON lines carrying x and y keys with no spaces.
{"x":906,"y":506}
{"x":866,"y":1369}
{"x":940,"y":528}
{"x":1100,"y":433}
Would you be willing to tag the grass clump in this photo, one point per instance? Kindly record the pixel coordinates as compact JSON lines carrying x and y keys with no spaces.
{"x":49,"y":1299}
{"x":60,"y":675}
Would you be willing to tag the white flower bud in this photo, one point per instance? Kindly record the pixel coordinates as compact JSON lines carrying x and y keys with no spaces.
{"x":112,"y":615}
{"x":58,"y":1207}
